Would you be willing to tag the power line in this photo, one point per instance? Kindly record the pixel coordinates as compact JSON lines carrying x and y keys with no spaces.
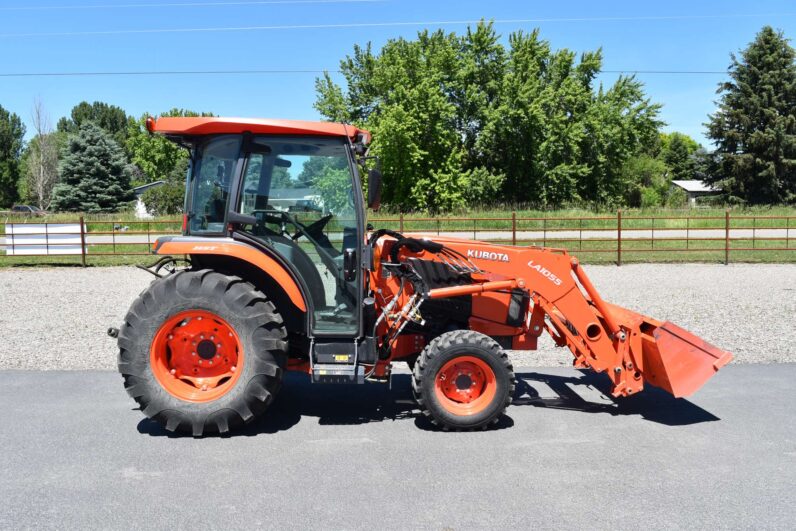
{"x":392,"y":24}
{"x":184,"y":4}
{"x":160,"y":73}
{"x":288,"y":72}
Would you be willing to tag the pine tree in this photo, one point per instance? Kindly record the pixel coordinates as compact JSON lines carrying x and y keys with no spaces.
{"x":755,"y":124}
{"x":11,"y":134}
{"x":94,"y":173}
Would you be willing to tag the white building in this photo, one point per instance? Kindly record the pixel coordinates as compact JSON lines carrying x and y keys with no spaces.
{"x":694,"y":189}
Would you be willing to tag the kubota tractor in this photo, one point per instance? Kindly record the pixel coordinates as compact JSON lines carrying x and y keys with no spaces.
{"x":284,"y":274}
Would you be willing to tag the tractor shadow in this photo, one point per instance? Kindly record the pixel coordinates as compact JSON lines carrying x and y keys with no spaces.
{"x":568,"y":392}
{"x":339,"y":405}
{"x":333,"y":405}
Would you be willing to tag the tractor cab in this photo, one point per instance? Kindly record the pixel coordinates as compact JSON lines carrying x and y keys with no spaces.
{"x":291,"y":189}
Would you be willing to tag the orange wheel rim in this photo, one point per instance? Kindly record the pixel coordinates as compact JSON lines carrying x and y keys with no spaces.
{"x":465,"y":385}
{"x":196,"y":356}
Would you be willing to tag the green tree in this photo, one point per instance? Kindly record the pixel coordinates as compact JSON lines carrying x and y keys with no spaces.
{"x":450,"y":112}
{"x":95,"y":176}
{"x":332,"y":186}
{"x":111,"y":118}
{"x":12,"y":133}
{"x":156,"y":156}
{"x":168,"y":198}
{"x":677,"y":152}
{"x":754,"y":127}
{"x":647,"y":181}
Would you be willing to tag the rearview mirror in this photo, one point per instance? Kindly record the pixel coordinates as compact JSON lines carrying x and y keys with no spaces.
{"x":374,"y":189}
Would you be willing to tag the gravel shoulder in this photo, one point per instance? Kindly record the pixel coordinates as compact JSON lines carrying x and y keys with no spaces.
{"x":56,"y":318}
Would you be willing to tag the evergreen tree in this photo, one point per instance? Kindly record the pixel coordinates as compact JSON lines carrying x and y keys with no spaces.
{"x":95,"y":176}
{"x":111,"y":118}
{"x":755,"y":125}
{"x":12,"y":133}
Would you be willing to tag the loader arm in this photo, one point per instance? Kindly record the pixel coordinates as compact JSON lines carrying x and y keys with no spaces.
{"x":629,"y":347}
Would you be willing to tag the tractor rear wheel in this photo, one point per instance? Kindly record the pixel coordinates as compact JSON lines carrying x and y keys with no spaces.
{"x":463,"y":380}
{"x":202,"y":352}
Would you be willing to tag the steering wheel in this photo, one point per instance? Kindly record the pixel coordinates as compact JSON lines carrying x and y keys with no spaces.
{"x":314,"y":229}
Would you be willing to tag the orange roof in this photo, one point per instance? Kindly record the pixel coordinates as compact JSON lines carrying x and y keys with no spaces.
{"x":216,"y":125}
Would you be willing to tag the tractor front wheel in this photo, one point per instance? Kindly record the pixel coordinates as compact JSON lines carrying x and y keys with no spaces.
{"x":463,"y":380}
{"x":202,"y":352}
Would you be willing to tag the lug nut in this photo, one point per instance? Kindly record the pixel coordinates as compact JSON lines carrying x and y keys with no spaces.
{"x":171,"y":336}
{"x":173,"y":372}
{"x":193,"y":353}
{"x":233,"y":368}
{"x":204,"y":387}
{"x":198,"y":318}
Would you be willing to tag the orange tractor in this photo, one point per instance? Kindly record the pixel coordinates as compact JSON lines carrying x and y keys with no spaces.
{"x":282,"y":272}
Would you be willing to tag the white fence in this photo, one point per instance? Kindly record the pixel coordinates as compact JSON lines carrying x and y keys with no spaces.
{"x":44,"y":239}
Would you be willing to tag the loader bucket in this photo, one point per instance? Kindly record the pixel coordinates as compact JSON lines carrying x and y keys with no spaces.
{"x":677,"y":360}
{"x":673,"y":359}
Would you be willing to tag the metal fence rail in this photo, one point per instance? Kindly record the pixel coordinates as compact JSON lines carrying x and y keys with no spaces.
{"x":611,"y":236}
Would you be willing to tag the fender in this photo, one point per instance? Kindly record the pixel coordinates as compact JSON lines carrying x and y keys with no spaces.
{"x":229,"y":247}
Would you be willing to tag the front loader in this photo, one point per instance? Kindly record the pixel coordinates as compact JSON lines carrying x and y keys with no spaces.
{"x":277,"y":270}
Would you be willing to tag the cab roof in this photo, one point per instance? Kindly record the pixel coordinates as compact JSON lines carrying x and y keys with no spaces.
{"x":180,"y":126}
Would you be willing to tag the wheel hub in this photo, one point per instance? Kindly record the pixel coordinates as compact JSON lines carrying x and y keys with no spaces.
{"x":462,"y":381}
{"x":195,"y":356}
{"x":206,"y":349}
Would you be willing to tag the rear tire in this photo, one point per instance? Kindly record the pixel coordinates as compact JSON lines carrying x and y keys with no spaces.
{"x":463,"y":380}
{"x":221,"y":383}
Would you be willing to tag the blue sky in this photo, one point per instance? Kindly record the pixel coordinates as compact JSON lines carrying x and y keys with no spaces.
{"x":674,"y":35}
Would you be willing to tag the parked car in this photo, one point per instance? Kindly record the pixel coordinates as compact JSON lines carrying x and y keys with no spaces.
{"x":27,"y":210}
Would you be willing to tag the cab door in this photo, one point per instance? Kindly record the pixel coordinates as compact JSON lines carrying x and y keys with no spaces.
{"x":305,"y":195}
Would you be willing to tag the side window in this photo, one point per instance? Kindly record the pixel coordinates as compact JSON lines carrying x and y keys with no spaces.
{"x":210,"y":182}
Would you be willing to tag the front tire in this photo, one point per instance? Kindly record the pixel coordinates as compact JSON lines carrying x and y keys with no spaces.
{"x":463,"y":380}
{"x":202,"y":352}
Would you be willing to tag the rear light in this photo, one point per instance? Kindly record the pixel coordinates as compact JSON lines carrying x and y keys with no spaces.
{"x":184,"y":223}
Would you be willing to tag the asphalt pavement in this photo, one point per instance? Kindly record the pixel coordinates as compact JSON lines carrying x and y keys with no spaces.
{"x":76,"y":454}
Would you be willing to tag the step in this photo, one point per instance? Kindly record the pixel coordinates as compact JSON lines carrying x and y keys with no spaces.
{"x":337,"y":374}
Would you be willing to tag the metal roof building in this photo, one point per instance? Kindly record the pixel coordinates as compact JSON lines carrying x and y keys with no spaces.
{"x":694,"y":189}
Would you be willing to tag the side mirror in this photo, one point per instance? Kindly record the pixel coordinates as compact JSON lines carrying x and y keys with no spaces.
{"x":374,"y":189}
